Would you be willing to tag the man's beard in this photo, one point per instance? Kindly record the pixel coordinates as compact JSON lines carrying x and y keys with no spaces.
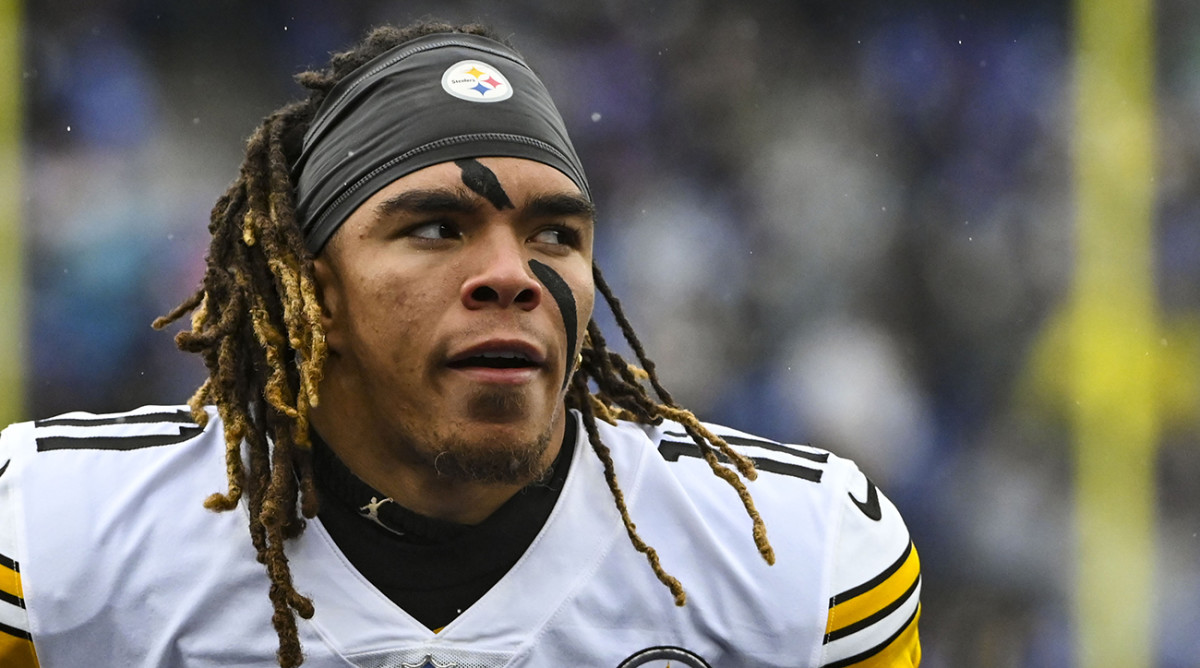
{"x":494,"y":461}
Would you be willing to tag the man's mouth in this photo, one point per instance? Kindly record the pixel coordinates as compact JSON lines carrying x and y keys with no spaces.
{"x":499,"y":361}
{"x":495,"y":360}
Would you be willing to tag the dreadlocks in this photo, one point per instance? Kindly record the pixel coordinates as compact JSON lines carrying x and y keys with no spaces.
{"x":256,"y":322}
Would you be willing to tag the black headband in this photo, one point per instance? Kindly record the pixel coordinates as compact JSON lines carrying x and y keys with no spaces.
{"x":434,"y":99}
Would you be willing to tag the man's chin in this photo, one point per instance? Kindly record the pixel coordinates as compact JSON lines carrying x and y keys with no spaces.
{"x":502,"y":438}
{"x":494,"y":459}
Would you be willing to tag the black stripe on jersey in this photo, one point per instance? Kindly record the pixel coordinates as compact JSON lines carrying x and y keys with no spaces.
{"x":12,"y":565}
{"x":116,"y":442}
{"x":12,"y":631}
{"x":5,"y":467}
{"x":887,"y":610}
{"x":863,"y":656}
{"x":672,"y":450}
{"x":9,"y":598}
{"x":173,"y":417}
{"x":820,"y":457}
{"x":181,"y":419}
{"x":873,"y":582}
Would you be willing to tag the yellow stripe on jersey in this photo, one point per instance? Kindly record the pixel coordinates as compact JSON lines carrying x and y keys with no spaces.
{"x":16,"y":646}
{"x":904,"y":651}
{"x":10,"y":581}
{"x":16,"y":652}
{"x":880,"y":595}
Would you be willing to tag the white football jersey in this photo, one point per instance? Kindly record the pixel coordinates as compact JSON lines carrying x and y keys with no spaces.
{"x":108,"y":558}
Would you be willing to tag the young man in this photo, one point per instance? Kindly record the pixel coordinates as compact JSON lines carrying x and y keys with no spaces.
{"x":412,"y":246}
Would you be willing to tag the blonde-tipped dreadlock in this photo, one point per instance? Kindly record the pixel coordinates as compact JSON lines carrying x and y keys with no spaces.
{"x":256,"y":322}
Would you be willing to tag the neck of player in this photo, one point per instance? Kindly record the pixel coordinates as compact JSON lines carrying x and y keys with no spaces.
{"x":407,"y":471}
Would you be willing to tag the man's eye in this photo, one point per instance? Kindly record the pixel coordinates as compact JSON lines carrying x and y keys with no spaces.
{"x":434,"y":231}
{"x":559,"y":236}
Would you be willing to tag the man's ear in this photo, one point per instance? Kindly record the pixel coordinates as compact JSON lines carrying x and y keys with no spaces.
{"x":329,"y":292}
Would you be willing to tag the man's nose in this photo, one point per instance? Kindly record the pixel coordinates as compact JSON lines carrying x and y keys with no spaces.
{"x":501,"y":276}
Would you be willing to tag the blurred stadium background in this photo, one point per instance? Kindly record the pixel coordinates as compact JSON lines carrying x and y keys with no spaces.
{"x":958,"y":242}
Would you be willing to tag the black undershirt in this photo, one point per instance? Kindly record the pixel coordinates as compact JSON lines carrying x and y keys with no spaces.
{"x":431,"y":568}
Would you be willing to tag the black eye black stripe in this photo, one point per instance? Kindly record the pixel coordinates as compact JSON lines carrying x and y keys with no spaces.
{"x":566,"y":305}
{"x":482,"y":180}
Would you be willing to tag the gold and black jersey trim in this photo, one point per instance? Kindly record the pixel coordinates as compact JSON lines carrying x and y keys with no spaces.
{"x":902,"y":571}
{"x":16,"y":649}
{"x":94,"y":432}
{"x":870,"y":603}
{"x":19,"y":634}
{"x":903,"y":648}
{"x":16,"y":644}
{"x":11,"y":593}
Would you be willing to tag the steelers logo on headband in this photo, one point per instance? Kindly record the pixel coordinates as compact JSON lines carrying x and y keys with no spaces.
{"x":414,"y":106}
{"x":476,"y":81}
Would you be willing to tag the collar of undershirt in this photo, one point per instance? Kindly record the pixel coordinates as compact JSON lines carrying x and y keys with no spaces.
{"x":340,"y":485}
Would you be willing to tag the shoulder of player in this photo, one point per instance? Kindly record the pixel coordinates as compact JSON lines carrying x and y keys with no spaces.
{"x":138,"y":429}
{"x":789,"y":476}
{"x":875,"y":583}
{"x":867,"y":535}
{"x":783,"y":469}
{"x":868,"y":567}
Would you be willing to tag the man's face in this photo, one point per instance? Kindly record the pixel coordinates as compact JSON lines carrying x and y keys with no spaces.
{"x":454,"y":302}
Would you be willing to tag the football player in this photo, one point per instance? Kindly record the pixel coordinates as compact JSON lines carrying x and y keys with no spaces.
{"x":429,"y":454}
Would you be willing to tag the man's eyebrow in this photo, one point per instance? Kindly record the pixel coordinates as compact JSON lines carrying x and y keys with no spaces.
{"x":557,"y":205}
{"x":433,"y":200}
{"x":448,"y":200}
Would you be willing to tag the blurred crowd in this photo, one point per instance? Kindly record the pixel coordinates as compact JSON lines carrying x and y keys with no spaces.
{"x":845,"y":226}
